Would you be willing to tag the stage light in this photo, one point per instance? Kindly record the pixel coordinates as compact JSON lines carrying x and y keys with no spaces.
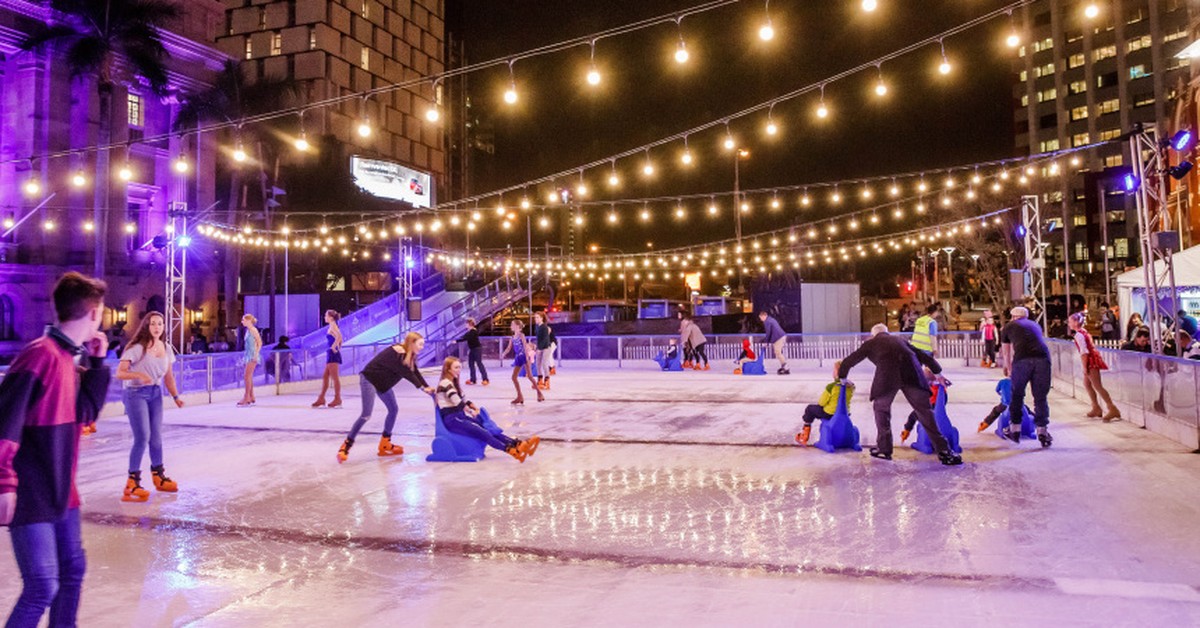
{"x":1180,"y":171}
{"x":184,"y":241}
{"x":1181,"y":140}
{"x":1131,"y":182}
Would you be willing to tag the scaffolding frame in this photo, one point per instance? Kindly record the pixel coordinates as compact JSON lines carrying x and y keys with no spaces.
{"x":176,"y":277}
{"x":1158,"y":242}
{"x":1035,"y":255}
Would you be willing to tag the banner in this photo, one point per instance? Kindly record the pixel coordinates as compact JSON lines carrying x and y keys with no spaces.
{"x":388,"y":179}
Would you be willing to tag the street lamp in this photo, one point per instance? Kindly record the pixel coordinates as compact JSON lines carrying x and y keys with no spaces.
{"x":950,"y":268}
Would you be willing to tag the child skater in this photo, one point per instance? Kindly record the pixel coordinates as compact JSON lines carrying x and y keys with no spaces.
{"x":747,"y":355}
{"x":1004,"y":389}
{"x":377,"y":378}
{"x":672,"y":350}
{"x":251,"y":355}
{"x":462,"y":417}
{"x":519,"y":347}
{"x":825,"y":406}
{"x":934,"y":388}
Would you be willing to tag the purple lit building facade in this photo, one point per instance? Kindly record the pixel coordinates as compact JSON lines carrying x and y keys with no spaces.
{"x":44,"y":111}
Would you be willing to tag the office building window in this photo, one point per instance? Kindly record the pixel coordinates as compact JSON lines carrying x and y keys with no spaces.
{"x":1137,"y":43}
{"x":1024,"y":100}
{"x":1045,"y":70}
{"x":262,"y":18}
{"x":1079,"y":113}
{"x":249,"y":49}
{"x":1135,"y":15}
{"x":1116,"y":215}
{"x":1106,"y":52}
{"x":276,"y":44}
{"x":1076,"y":60}
{"x":1109,"y":134}
{"x":1113,"y":161}
{"x":1143,"y":100}
{"x":1047,"y":94}
{"x":1045,"y":44}
{"x":1121,"y":246}
{"x":366,"y":58}
{"x":1024,"y":76}
{"x":1108,"y":106}
{"x":1179,"y":34}
{"x":1137,"y":72}
{"x":1080,"y":139}
{"x":1074,"y":36}
{"x":1081,"y":251}
{"x":1046,"y":146}
{"x":1079,"y":220}
{"x":1107,"y":80}
{"x":1078,"y":87}
{"x":312,"y":38}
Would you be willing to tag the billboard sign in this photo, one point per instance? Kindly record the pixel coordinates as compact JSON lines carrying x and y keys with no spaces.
{"x":388,"y":179}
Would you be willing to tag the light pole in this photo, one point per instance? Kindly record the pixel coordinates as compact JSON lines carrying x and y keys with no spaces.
{"x":950,"y":268}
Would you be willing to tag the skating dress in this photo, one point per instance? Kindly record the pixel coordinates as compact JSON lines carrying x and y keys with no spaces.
{"x":331,"y":356}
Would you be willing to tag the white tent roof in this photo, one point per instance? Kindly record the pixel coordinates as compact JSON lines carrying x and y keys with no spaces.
{"x":1187,"y":271}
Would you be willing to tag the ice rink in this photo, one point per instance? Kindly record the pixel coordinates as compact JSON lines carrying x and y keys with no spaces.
{"x":656,"y":499}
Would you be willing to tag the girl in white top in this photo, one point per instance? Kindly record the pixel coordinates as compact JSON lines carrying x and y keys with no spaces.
{"x":145,"y":367}
{"x":1092,"y":365}
{"x":251,"y":354}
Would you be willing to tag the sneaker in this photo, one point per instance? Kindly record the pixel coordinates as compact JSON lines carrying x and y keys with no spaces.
{"x":1044,"y":437}
{"x":162,"y":482}
{"x":875,"y":453}
{"x":949,"y":458}
{"x":1013,"y":432}
{"x":344,"y":450}
{"x":386,"y":448}
{"x":802,"y":437}
{"x":904,"y":434}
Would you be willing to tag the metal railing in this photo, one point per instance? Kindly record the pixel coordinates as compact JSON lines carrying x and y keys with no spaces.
{"x":366,"y":318}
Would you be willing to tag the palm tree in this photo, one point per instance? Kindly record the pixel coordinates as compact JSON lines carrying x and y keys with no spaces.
{"x":233,"y":98}
{"x":98,"y":38}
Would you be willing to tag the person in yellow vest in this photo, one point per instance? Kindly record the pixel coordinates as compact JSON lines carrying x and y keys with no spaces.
{"x":925,"y":332}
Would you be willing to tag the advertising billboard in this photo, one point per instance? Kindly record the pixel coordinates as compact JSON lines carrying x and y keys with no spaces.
{"x":388,"y":179}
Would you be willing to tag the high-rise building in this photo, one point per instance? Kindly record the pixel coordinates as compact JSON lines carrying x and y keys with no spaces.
{"x":65,"y":205}
{"x":1083,"y":79}
{"x":336,"y":48}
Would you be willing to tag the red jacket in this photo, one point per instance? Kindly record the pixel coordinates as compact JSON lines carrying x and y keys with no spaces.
{"x":44,"y":400}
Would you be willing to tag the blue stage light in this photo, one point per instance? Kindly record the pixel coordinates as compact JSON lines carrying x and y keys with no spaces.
{"x":1182,"y":140}
{"x":1021,"y":231}
{"x":184,"y":241}
{"x":1131,"y":182}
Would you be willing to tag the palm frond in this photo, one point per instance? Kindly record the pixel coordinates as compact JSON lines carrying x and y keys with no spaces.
{"x":49,"y":34}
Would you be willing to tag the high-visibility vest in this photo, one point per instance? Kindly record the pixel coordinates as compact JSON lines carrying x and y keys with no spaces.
{"x":922,"y":338}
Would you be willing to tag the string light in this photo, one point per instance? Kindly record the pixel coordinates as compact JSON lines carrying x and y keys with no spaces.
{"x":648,"y":168}
{"x":822,"y":110}
{"x":78,"y":179}
{"x":593,"y":75}
{"x":181,"y":164}
{"x":1014,"y":38}
{"x":1091,"y":11}
{"x":364,"y":124}
{"x":613,"y":179}
{"x":869,"y":5}
{"x":681,"y":52}
{"x":686,"y":158}
{"x":881,"y":88}
{"x":510,"y":94}
{"x":729,"y":143}
{"x":32,"y":187}
{"x":945,"y":67}
{"x":772,"y":128}
{"x":767,"y":31}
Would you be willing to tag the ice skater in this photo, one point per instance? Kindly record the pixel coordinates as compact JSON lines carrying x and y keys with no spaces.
{"x":462,"y":417}
{"x":145,"y":368}
{"x":698,"y":342}
{"x":934,"y":388}
{"x":685,"y":326}
{"x":474,"y":351}
{"x":250,"y":354}
{"x":776,"y":338}
{"x":825,"y":406}
{"x":897,"y":369}
{"x":333,"y":361}
{"x":541,"y":332}
{"x":990,"y":336}
{"x":45,"y":398}
{"x":522,"y":357}
{"x":377,"y":378}
{"x":1093,"y":364}
{"x":747,"y":355}
{"x":1027,"y":362}
{"x":1004,"y":389}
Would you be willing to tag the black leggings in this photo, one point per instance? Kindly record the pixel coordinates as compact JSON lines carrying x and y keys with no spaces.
{"x":699,"y":351}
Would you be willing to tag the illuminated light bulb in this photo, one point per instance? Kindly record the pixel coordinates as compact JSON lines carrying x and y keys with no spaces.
{"x":971,"y":193}
{"x":976,"y":179}
{"x":920,"y":208}
{"x":648,"y":169}
{"x":996,"y":186}
{"x":432,"y":114}
{"x":945,"y":201}
{"x":869,"y":5}
{"x":681,"y":53}
{"x":89,"y":226}
{"x":454,"y":221}
{"x":1091,"y":11}
{"x":285,"y":230}
{"x":805,"y":200}
{"x":774,"y":203}
{"x":181,"y":165}
{"x":645,"y":214}
{"x":866,"y":193}
{"x":949,"y":182}
{"x":364,"y":128}
{"x":500,"y":210}
{"x":614,"y":180}
{"x":822,"y":111}
{"x":32,"y":187}
{"x":1004,"y":175}
{"x":874,"y":219}
{"x":78,"y":180}
{"x":944,"y":68}
{"x":745,"y":208}
{"x":894,"y":190}
{"x":324,"y":230}
{"x":712,"y":209}
{"x":729,"y":143}
{"x":524,"y":205}
{"x":125,"y":173}
{"x":1013,"y":40}
{"x":686,"y":158}
{"x":1030,"y":170}
{"x":593,"y":76}
{"x":836,"y":197}
{"x":8,"y":223}
{"x":476,"y":216}
{"x":881,"y":88}
{"x":581,"y":189}
{"x":510,"y":94}
{"x":853,"y":225}
{"x":612,"y":217}
{"x":767,"y":32}
{"x":130,"y":227}
{"x":245,"y":229}
{"x":302,"y":144}
{"x":922,"y":186}
{"x":239,"y":154}
{"x":1023,"y":180}
{"x":772,"y":128}
{"x":680,"y":212}
{"x":48,"y":225}
{"x":579,"y":220}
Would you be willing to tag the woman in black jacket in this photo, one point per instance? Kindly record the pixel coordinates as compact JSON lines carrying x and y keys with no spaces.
{"x":377,"y":378}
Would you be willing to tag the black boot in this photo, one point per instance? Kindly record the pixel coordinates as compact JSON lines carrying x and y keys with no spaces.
{"x":875,"y":453}
{"x":1013,"y":432}
{"x":949,"y":458}
{"x":1044,"y":437}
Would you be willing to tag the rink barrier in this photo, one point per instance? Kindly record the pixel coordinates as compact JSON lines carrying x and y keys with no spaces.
{"x":1158,"y":393}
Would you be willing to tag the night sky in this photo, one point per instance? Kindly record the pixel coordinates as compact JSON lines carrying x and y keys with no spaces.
{"x":926,"y":120}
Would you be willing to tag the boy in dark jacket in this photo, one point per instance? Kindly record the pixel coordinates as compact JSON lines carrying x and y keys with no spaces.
{"x":55,"y":386}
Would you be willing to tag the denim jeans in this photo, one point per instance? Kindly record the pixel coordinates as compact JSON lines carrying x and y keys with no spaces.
{"x":144,"y":405}
{"x":368,"y":406}
{"x":475,"y":358}
{"x":458,"y":422}
{"x":1034,"y":372}
{"x":52,"y":562}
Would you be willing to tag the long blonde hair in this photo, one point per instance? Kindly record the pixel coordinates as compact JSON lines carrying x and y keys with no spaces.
{"x":447,"y":374}
{"x":410,"y":351}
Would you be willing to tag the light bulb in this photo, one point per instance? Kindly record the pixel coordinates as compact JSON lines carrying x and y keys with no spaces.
{"x":1013,"y":40}
{"x":48,"y":225}
{"x":581,"y":189}
{"x":729,"y":143}
{"x":524,"y":205}
{"x":593,"y":76}
{"x":32,"y":187}
{"x":712,"y":209}
{"x":432,"y":114}
{"x":302,"y":143}
{"x":125,"y":173}
{"x":648,"y":169}
{"x":130,"y":228}
{"x":239,"y":155}
{"x":8,"y":223}
{"x":806,"y":200}
{"x":870,"y":5}
{"x":364,"y":128}
{"x":944,"y":68}
{"x":681,"y":53}
{"x":78,"y":180}
{"x":767,"y":32}
{"x":894,"y":190}
{"x":614,"y":180}
{"x":772,"y":129}
{"x":510,"y":95}
{"x":822,"y":111}
{"x":1091,"y":11}
{"x":89,"y":226}
{"x":881,"y":88}
{"x":686,"y":158}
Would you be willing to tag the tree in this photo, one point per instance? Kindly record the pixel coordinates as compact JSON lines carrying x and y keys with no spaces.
{"x":101,"y":39}
{"x":232,"y":98}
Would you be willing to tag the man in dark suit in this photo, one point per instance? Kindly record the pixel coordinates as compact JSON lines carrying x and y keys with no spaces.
{"x":898,"y":369}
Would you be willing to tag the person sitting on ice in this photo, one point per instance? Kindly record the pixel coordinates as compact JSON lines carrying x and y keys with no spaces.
{"x":934,"y":388}
{"x":1004,"y":389}
{"x":463,"y":417}
{"x":747,"y":355}
{"x":825,"y":406}
{"x":672,"y":350}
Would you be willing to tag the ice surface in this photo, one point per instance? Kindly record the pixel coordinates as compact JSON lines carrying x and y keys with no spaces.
{"x":655,"y":499}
